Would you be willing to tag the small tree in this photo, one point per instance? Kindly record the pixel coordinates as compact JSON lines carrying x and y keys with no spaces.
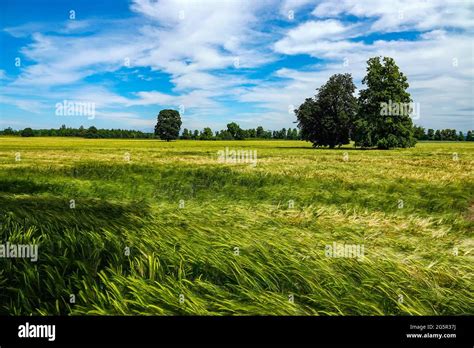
{"x":186,"y":134}
{"x":430,"y":134}
{"x":91,"y":132}
{"x":207,"y":134}
{"x":225,"y":135}
{"x":419,"y":133}
{"x":386,"y":85}
{"x":326,"y":119}
{"x":252,"y":133}
{"x":469,"y":136}
{"x":27,"y":132}
{"x":240,"y":134}
{"x":233,"y":128}
{"x":8,"y":131}
{"x":168,"y":124}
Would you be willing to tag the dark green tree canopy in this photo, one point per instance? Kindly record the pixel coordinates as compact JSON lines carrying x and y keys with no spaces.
{"x":168,"y":124}
{"x":326,"y":120}
{"x":234,"y":129}
{"x":386,"y":89}
{"x":27,"y":132}
{"x":207,"y":134}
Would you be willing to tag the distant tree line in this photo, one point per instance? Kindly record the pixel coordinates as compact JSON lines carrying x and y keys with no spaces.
{"x":442,"y":135}
{"x":227,"y":134}
{"x":233,"y":131}
{"x":91,"y":132}
{"x":169,"y":123}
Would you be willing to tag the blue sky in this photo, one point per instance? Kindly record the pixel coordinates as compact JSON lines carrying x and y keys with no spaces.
{"x":251,"y":62}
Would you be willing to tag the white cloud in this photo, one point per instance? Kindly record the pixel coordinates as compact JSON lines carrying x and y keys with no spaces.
{"x":398,"y":15}
{"x":212,"y":52}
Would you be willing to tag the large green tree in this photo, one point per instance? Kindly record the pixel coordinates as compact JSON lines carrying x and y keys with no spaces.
{"x":168,"y":124}
{"x":326,"y":119}
{"x":383,"y":120}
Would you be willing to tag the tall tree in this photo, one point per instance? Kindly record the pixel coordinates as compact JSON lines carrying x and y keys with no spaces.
{"x":386,"y":86}
{"x":168,"y":124}
{"x":326,"y":120}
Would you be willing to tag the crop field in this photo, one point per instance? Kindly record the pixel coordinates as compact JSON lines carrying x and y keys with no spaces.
{"x":127,"y":227}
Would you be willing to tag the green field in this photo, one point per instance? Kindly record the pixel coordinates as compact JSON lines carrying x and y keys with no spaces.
{"x":173,"y":231}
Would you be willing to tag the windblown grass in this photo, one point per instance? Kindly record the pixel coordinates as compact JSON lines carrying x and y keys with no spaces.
{"x":237,"y":247}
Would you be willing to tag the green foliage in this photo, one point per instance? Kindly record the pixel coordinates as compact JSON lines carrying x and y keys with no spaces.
{"x":168,"y":124}
{"x":233,"y":129}
{"x":186,"y":134}
{"x":419,"y":133}
{"x":326,"y":120}
{"x":91,"y":133}
{"x":8,"y":131}
{"x":470,"y":136}
{"x":207,"y":134}
{"x":27,"y":132}
{"x":430,"y":134}
{"x":386,"y":85}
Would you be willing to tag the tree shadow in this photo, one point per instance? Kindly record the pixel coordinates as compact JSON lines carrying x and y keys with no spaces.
{"x":23,"y":186}
{"x":84,"y":213}
{"x":327,"y":148}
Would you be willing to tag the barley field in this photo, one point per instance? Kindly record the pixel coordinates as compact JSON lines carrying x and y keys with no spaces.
{"x":146,"y":227}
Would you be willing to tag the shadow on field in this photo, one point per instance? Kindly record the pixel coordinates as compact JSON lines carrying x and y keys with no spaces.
{"x":53,"y":212}
{"x":23,"y":186}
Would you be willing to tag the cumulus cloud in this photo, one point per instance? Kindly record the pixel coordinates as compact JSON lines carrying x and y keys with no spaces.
{"x":398,"y":15}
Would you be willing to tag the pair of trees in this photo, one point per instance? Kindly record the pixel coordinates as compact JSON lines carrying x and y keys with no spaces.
{"x":335,"y":116}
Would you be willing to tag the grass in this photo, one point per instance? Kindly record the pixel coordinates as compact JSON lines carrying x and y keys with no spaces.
{"x":236,"y":247}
